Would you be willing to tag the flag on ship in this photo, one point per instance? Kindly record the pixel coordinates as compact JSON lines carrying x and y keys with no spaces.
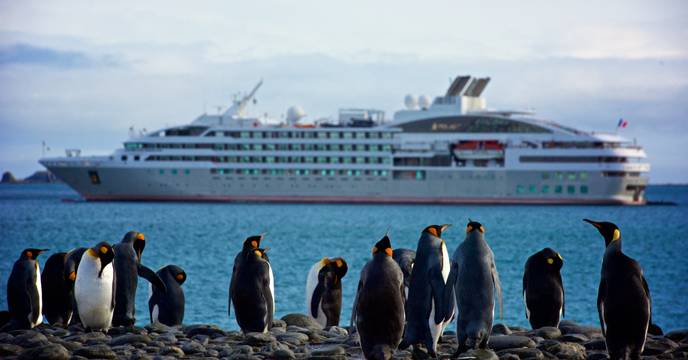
{"x":622,"y":123}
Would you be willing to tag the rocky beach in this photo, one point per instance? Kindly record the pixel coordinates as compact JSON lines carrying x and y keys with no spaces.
{"x":296,"y":336}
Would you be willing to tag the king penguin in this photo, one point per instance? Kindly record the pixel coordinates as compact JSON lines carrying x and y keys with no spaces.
{"x":426,"y":315}
{"x":252,"y":288}
{"x":57,"y":294}
{"x":24,"y":291}
{"x":128,"y":267}
{"x":474,"y":279}
{"x":623,"y":298}
{"x":324,"y":291}
{"x":378,"y":310}
{"x":94,"y":288}
{"x":543,"y":290}
{"x":405,"y":259}
{"x":168,"y":307}
{"x":72,"y":260}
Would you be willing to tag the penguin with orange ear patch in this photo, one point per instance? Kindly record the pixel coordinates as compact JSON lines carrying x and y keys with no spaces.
{"x":426,"y":315}
{"x":543,"y":289}
{"x":24,"y":292}
{"x":378,"y":311}
{"x":167,"y":307}
{"x":324,"y":291}
{"x":57,"y":291}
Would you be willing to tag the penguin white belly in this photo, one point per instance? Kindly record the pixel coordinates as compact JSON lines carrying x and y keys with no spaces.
{"x":271,"y":286}
{"x":435,"y":329}
{"x":155,"y":311}
{"x":40,"y":298}
{"x":321,"y":318}
{"x":446,"y":267}
{"x":311,"y":283}
{"x":525,"y":302}
{"x":93,"y":294}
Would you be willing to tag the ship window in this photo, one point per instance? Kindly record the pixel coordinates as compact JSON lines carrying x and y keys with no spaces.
{"x":572,"y":176}
{"x":334,"y":160}
{"x":244,"y":134}
{"x":124,"y":158}
{"x":360,"y":135}
{"x":570,"y":189}
{"x":137,"y":158}
{"x":584,"y":189}
{"x":334,"y":147}
{"x":162,"y":172}
{"x":520,"y":189}
{"x":558,"y":189}
{"x":306,"y":172}
{"x":357,"y":172}
{"x":472,"y":124}
{"x":346,"y":160}
{"x":349,"y":172}
{"x":532,"y":189}
{"x":322,"y":159}
{"x":95,"y":179}
{"x":545,"y":189}
{"x":386,"y":135}
{"x":322,"y":135}
{"x":583,"y":176}
{"x":360,"y":147}
{"x":308,"y":159}
{"x":323,"y":172}
{"x":257,"y":147}
{"x":320,"y":147}
{"x":420,"y":175}
{"x":386,"y":148}
{"x":187,"y":172}
{"x":346,"y":135}
{"x":545,"y":176}
{"x":560,"y":176}
{"x":360,"y":160}
{"x":308,"y":147}
{"x":174,"y":171}
{"x":347,"y":147}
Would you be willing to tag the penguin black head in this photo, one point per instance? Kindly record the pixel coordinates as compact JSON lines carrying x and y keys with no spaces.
{"x":384,"y":246}
{"x":551,"y":259}
{"x":31,"y":254}
{"x":253,"y":242}
{"x":339,"y":266}
{"x":474,"y":225}
{"x":436,"y":230}
{"x":610,"y":232}
{"x":105,"y":253}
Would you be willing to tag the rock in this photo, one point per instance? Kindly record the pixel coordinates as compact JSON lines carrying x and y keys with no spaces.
{"x":501,"y":342}
{"x":193,"y":347}
{"x":86,"y":337}
{"x":524,"y":353}
{"x":564,"y":350}
{"x":548,"y":332}
{"x":45,"y":352}
{"x":569,"y":327}
{"x":597,"y":356}
{"x":41,"y":177}
{"x":8,"y":178}
{"x":10,"y":349}
{"x":6,"y":338}
{"x":336,"y":330}
{"x":500,"y":329}
{"x":258,"y":339}
{"x":329,"y":352}
{"x":202,"y":329}
{"x":659,"y":346}
{"x":167,"y":338}
{"x":576,"y":338}
{"x":30,"y":339}
{"x":294,"y":338}
{"x":679,"y":335}
{"x":596,"y":344}
{"x":96,"y":352}
{"x":283,"y":354}
{"x":301,"y":320}
{"x":201,"y":339}
{"x":160,"y":328}
{"x":509,"y":356}
{"x":130,"y":339}
{"x":277,"y":323}
{"x":480,"y":354}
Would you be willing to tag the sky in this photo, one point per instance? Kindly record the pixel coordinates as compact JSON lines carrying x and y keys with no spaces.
{"x":78,"y":74}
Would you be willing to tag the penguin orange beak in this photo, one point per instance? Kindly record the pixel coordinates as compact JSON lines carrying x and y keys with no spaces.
{"x":594,"y":223}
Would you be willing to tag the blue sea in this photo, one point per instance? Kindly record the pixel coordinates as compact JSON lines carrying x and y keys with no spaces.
{"x":203,"y":239}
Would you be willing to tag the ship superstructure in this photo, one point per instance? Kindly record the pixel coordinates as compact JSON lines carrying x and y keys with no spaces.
{"x":450,"y":150}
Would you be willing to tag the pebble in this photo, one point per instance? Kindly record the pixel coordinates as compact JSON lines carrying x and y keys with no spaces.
{"x":301,"y":320}
{"x":501,"y":342}
{"x":96,"y":352}
{"x":45,"y":352}
{"x":130,"y":339}
{"x":500,"y":329}
{"x":480,"y":354}
{"x":193,"y":347}
{"x":329,"y":352}
{"x":548,"y":332}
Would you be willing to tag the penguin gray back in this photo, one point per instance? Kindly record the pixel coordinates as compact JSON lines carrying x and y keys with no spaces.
{"x":56,"y":287}
{"x":168,"y":307}
{"x":475,"y":280}
{"x":405,"y":258}
{"x":24,"y":291}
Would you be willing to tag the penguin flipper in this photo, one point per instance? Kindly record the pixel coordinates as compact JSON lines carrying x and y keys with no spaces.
{"x":437,"y":286}
{"x":498,"y":288}
{"x":269,"y":301}
{"x":150,"y":275}
{"x":600,"y":305}
{"x":315,"y":299}
{"x":449,"y":295}
{"x":352,"y":323}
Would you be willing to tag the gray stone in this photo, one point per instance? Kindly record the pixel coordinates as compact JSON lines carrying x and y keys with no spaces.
{"x":277,"y":323}
{"x":480,"y":354}
{"x":30,"y":339}
{"x":329,"y":352}
{"x":160,"y":327}
{"x":576,"y":338}
{"x":86,"y":337}
{"x":337,"y":330}
{"x":509,"y":356}
{"x":679,"y":335}
{"x":172,"y":350}
{"x":167,"y":338}
{"x":210,"y":353}
{"x":258,"y":339}
{"x":596,"y":344}
{"x":283,"y":354}
{"x":501,"y":342}
{"x":45,"y":352}
{"x":570,"y":351}
{"x":193,"y":347}
{"x":6,"y":338}
{"x":10,"y":349}
{"x":294,"y":338}
{"x":569,"y":327}
{"x":500,"y":329}
{"x":524,"y":353}
{"x":548,"y":332}
{"x":202,"y":329}
{"x":96,"y":352}
{"x":659,"y":346}
{"x":301,"y":320}
{"x":598,"y":355}
{"x":130,"y":339}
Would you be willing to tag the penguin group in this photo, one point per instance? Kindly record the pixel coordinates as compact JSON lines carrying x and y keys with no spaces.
{"x":404,"y":298}
{"x":91,"y":286}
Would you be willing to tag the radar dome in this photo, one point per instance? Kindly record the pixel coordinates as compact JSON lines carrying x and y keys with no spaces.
{"x":294,"y":114}
{"x":410,"y":102}
{"x":424,"y":102}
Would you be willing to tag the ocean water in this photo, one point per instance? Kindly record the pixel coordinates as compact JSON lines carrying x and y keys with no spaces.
{"x":203,"y":239}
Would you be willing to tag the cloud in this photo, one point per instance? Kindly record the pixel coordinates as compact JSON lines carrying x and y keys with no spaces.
{"x":27,"y":54}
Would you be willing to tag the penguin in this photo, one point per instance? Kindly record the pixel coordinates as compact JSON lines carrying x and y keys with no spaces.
{"x":128,"y":267}
{"x":623,"y":298}
{"x":405,"y":259}
{"x":474,"y":279}
{"x":324,"y":291}
{"x":379,"y":304}
{"x":24,"y":292}
{"x":543,"y":290}
{"x":426,"y":315}
{"x":252,"y":288}
{"x":57,"y":294}
{"x":168,"y":307}
{"x":94,"y":288}
{"x":72,"y":260}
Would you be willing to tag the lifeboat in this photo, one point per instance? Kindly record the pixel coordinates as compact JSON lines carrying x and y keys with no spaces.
{"x":478,"y":149}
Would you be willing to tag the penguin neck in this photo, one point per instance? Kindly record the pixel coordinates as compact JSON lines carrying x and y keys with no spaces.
{"x":613,"y":247}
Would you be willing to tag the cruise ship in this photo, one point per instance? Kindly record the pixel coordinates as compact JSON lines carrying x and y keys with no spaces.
{"x":451,"y":150}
